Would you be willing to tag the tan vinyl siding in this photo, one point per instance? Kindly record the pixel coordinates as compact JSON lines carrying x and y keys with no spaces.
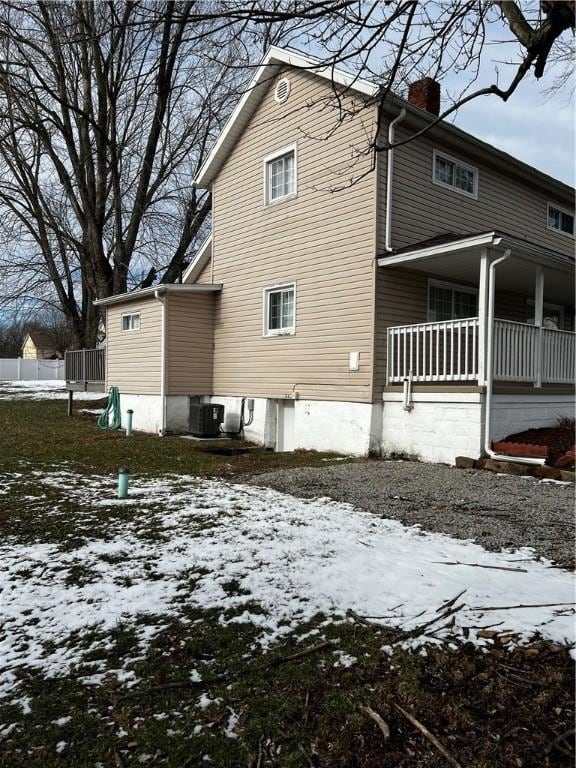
{"x":189,"y":343}
{"x":322,"y":241}
{"x":401,"y":299}
{"x":205,"y":275}
{"x":422,"y":209}
{"x":133,"y":358}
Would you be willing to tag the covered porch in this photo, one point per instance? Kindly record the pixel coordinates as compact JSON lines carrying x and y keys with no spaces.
{"x":471,"y":338}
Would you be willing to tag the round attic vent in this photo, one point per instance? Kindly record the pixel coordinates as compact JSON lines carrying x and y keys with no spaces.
{"x":282,"y":90}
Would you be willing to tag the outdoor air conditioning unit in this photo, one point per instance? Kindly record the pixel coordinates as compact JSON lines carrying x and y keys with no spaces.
{"x":205,"y":419}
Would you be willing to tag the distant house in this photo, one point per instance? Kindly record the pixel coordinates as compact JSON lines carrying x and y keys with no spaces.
{"x":426,"y":308}
{"x":39,"y":345}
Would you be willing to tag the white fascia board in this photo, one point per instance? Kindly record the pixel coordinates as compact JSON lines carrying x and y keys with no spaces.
{"x":489,"y":239}
{"x":200,"y":254}
{"x":122,"y":298}
{"x":520,"y":250}
{"x":274,"y":57}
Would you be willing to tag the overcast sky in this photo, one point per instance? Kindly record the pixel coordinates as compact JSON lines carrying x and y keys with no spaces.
{"x":535,"y":129}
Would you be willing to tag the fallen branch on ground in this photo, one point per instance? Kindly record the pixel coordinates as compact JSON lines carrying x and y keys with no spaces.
{"x":512,"y":607}
{"x":382,"y":724}
{"x":226,"y":678}
{"x":295,"y":656}
{"x":428,"y":735}
{"x":450,"y":603}
{"x":479,"y":565}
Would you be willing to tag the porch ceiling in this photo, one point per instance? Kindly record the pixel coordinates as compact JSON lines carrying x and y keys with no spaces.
{"x":458,"y":260}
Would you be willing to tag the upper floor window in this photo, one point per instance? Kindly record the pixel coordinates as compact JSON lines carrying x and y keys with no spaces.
{"x":560,"y":219}
{"x":280,"y":175}
{"x":451,"y":302}
{"x":131,"y":322}
{"x":449,"y":172}
{"x":279,"y":314}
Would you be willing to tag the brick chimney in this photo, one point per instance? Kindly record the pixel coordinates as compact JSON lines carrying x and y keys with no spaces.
{"x":425,"y":93}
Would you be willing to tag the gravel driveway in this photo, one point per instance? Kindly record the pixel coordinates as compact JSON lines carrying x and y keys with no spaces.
{"x":496,"y":511}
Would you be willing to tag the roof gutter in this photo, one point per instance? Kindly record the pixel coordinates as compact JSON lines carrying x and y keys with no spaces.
{"x":144,"y":293}
{"x":390,"y":178}
{"x":488,"y":239}
{"x":161,"y":297}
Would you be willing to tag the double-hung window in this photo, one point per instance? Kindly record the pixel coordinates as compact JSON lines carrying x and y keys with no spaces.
{"x":560,"y":219}
{"x":451,"y":302}
{"x":131,"y":322}
{"x":280,"y":175}
{"x":451,"y":173}
{"x":279,"y":310}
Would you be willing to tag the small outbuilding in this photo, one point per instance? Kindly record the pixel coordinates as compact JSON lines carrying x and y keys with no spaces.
{"x":41,"y":345}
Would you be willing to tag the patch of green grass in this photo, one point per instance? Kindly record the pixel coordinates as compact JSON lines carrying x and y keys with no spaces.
{"x":295,"y":712}
{"x":493,"y":709}
{"x":38,"y":432}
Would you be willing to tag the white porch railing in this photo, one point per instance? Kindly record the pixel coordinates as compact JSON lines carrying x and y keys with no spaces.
{"x":529,"y":353}
{"x":450,"y":351}
{"x":445,"y":351}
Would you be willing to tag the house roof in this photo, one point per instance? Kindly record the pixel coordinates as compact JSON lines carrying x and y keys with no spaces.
{"x":456,"y":259}
{"x":450,"y":242}
{"x":277,"y":58}
{"x":145,"y":293}
{"x":42,"y":339}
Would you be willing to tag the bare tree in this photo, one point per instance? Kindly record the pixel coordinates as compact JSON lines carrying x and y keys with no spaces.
{"x":106,"y":111}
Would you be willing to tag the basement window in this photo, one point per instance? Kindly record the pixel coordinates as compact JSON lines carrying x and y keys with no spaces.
{"x":457,"y":176}
{"x":131,"y":322}
{"x":280,"y":175}
{"x":279,"y":310}
{"x":561,"y":220}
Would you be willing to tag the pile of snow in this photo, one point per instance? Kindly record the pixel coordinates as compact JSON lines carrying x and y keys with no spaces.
{"x":293,"y":558}
{"x":42,"y":390}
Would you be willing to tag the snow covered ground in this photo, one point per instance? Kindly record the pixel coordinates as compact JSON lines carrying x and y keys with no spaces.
{"x":293,"y":558}
{"x":41,"y":390}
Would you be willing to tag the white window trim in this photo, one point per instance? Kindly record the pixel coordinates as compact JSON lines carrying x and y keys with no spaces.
{"x":130,"y":330}
{"x":439,"y":153}
{"x":451,"y":286}
{"x":562,"y":210}
{"x":274,"y":156}
{"x":266,"y":332}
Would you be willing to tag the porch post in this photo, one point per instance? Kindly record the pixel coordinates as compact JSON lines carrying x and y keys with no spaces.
{"x":538,"y":319}
{"x":482,"y":315}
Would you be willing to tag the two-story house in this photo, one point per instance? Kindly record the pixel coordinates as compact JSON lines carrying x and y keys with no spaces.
{"x":423,"y":305}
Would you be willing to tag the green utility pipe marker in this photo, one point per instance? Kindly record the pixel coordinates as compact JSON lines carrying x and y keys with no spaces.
{"x":112,"y":409}
{"x":129,"y":414}
{"x":123,"y":474}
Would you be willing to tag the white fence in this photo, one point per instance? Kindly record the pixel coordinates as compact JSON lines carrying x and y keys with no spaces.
{"x":21,"y":369}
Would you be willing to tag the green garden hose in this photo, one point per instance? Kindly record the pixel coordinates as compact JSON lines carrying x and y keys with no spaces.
{"x":112,"y":409}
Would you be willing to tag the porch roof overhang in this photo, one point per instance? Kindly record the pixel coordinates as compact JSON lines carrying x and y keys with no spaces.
{"x":457,"y":257}
{"x":178,"y":288}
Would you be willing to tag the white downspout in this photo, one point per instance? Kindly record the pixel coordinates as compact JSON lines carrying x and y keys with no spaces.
{"x":389,"y":179}
{"x":490,"y":370}
{"x":161,"y":299}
